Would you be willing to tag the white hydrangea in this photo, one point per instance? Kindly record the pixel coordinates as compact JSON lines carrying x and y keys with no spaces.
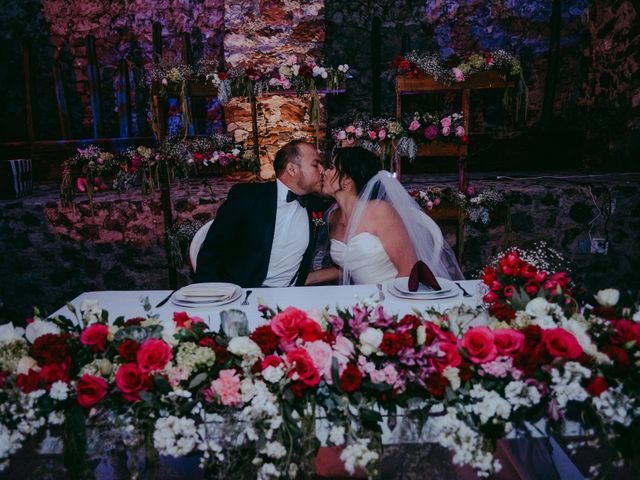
{"x":175,"y":436}
{"x":519,"y":394}
{"x":491,"y":405}
{"x":358,"y":455}
{"x":59,"y":390}
{"x":336,"y":435}
{"x":613,"y":406}
{"x":566,"y":387}
{"x":274,"y":450}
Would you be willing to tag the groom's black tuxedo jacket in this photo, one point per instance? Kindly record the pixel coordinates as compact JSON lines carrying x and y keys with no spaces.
{"x":238,"y":245}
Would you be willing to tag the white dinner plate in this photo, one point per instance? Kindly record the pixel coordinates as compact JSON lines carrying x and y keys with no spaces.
{"x":196,"y":296}
{"x":421,"y":296}
{"x":401,"y":284}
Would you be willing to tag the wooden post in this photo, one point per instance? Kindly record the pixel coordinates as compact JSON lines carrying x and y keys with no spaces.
{"x":376,"y":41}
{"x":28,"y":92}
{"x":61,"y":99}
{"x":254,"y":126}
{"x":123,"y":97}
{"x":187,"y":58}
{"x":156,"y":39}
{"x":552,"y":66}
{"x":462,"y":160}
{"x":93,"y":73}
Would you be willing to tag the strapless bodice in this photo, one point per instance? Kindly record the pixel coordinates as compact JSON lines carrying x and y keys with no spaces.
{"x":366,"y":258}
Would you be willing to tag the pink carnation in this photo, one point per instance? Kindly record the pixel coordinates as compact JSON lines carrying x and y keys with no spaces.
{"x":320,"y":352}
{"x":227,"y":387}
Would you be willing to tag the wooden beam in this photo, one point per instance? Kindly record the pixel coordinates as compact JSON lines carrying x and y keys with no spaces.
{"x":93,"y":72}
{"x":551,"y":79}
{"x":123,"y":96}
{"x":61,"y":99}
{"x":376,"y":42}
{"x":28,"y":92}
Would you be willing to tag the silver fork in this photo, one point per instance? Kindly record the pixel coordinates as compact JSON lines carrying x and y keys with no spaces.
{"x":246,"y":299}
{"x":380,"y":292}
{"x":464,"y":292}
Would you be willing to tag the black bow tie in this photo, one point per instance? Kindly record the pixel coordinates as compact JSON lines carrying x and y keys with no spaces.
{"x":291,"y":197}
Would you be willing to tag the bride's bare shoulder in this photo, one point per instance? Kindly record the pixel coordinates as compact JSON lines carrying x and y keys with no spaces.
{"x":380,"y":207}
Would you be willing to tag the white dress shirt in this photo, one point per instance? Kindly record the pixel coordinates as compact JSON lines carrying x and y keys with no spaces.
{"x":290,"y":240}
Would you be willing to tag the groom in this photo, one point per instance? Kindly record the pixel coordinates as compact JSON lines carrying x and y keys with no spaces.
{"x":262,"y":234}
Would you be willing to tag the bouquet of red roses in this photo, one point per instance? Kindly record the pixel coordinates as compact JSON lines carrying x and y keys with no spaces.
{"x":514,"y":282}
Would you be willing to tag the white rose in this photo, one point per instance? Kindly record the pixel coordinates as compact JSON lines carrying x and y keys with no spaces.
{"x":25,"y":364}
{"x":37,"y":328}
{"x":168,"y":334}
{"x":244,"y":347}
{"x":370,"y":340}
{"x":421,"y":335}
{"x":538,"y":307}
{"x":608,"y":297}
{"x":8,"y":332}
{"x":544,"y":321}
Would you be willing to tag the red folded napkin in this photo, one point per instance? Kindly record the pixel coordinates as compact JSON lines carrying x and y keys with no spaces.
{"x":420,"y":273}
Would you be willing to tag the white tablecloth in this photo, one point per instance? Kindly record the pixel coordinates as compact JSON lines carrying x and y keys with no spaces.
{"x":130,"y":303}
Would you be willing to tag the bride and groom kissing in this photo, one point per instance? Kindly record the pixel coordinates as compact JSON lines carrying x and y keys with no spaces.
{"x":263,"y":234}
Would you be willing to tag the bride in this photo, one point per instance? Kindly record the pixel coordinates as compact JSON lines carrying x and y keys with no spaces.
{"x":377,"y":231}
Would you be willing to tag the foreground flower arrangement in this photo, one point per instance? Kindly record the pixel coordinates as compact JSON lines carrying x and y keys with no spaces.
{"x":251,"y":399}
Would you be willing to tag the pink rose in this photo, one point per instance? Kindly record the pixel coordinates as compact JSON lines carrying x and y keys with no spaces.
{"x":561,"y":343}
{"x":153,"y":355}
{"x":480,"y":345}
{"x":446,"y":131}
{"x":459,"y":131}
{"x":350,"y":129}
{"x":458,"y":74}
{"x":414,"y":125}
{"x":302,"y":367}
{"x":382,"y":134}
{"x":359,"y":132}
{"x":321,"y":354}
{"x":446,"y":122}
{"x":342,"y":135}
{"x":227,"y":387}
{"x":95,"y":337}
{"x":287,"y":323}
{"x":508,"y":341}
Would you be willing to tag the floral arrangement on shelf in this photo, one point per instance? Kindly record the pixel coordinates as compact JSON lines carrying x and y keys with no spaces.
{"x":262,"y":401}
{"x":390,"y":137}
{"x":293,"y":74}
{"x":476,"y":205}
{"x":88,"y":170}
{"x":418,"y":64}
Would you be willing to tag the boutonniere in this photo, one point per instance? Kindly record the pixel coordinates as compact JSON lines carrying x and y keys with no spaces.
{"x":318,"y":221}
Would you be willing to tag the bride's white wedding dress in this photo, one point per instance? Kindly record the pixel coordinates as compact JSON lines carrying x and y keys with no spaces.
{"x":367,"y":259}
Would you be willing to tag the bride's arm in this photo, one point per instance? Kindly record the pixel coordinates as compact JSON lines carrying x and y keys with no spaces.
{"x":388,"y":227}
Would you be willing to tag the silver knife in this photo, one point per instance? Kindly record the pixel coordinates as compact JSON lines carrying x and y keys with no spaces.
{"x":166,"y":299}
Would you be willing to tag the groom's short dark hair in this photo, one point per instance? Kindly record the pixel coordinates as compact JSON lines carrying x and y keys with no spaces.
{"x":288,"y":153}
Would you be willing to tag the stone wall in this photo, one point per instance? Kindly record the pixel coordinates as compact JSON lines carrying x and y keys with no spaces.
{"x":50,"y":254}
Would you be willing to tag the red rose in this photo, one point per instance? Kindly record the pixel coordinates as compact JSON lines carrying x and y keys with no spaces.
{"x":134,"y":322}
{"x":222,"y":75}
{"x":351,"y":378}
{"x":528,"y":271}
{"x":625,"y":331}
{"x":54,"y":372}
{"x":561,"y":279}
{"x":490,"y":297}
{"x":51,"y":348}
{"x":264,"y":337}
{"x":393,"y":343}
{"x":286,"y":324}
{"x":153,"y":355}
{"x":128,"y":350}
{"x":434,"y":332}
{"x":508,"y":341}
{"x":28,"y":382}
{"x":408,"y":323}
{"x":489,"y":275}
{"x":95,"y":337}
{"x":130,"y":380}
{"x":271,"y":361}
{"x":596,"y":386}
{"x":496,"y":286}
{"x":404,"y":65}
{"x":449,"y":356}
{"x":561,"y":343}
{"x":619,"y":357}
{"x":479,"y":344}
{"x":90,"y":390}
{"x":301,"y":364}
{"x":310,"y":330}
{"x":502,"y":312}
{"x":508,"y":291}
{"x":436,"y":385}
{"x":531,"y":287}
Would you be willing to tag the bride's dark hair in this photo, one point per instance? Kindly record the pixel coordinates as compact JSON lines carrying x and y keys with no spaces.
{"x":357,"y":163}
